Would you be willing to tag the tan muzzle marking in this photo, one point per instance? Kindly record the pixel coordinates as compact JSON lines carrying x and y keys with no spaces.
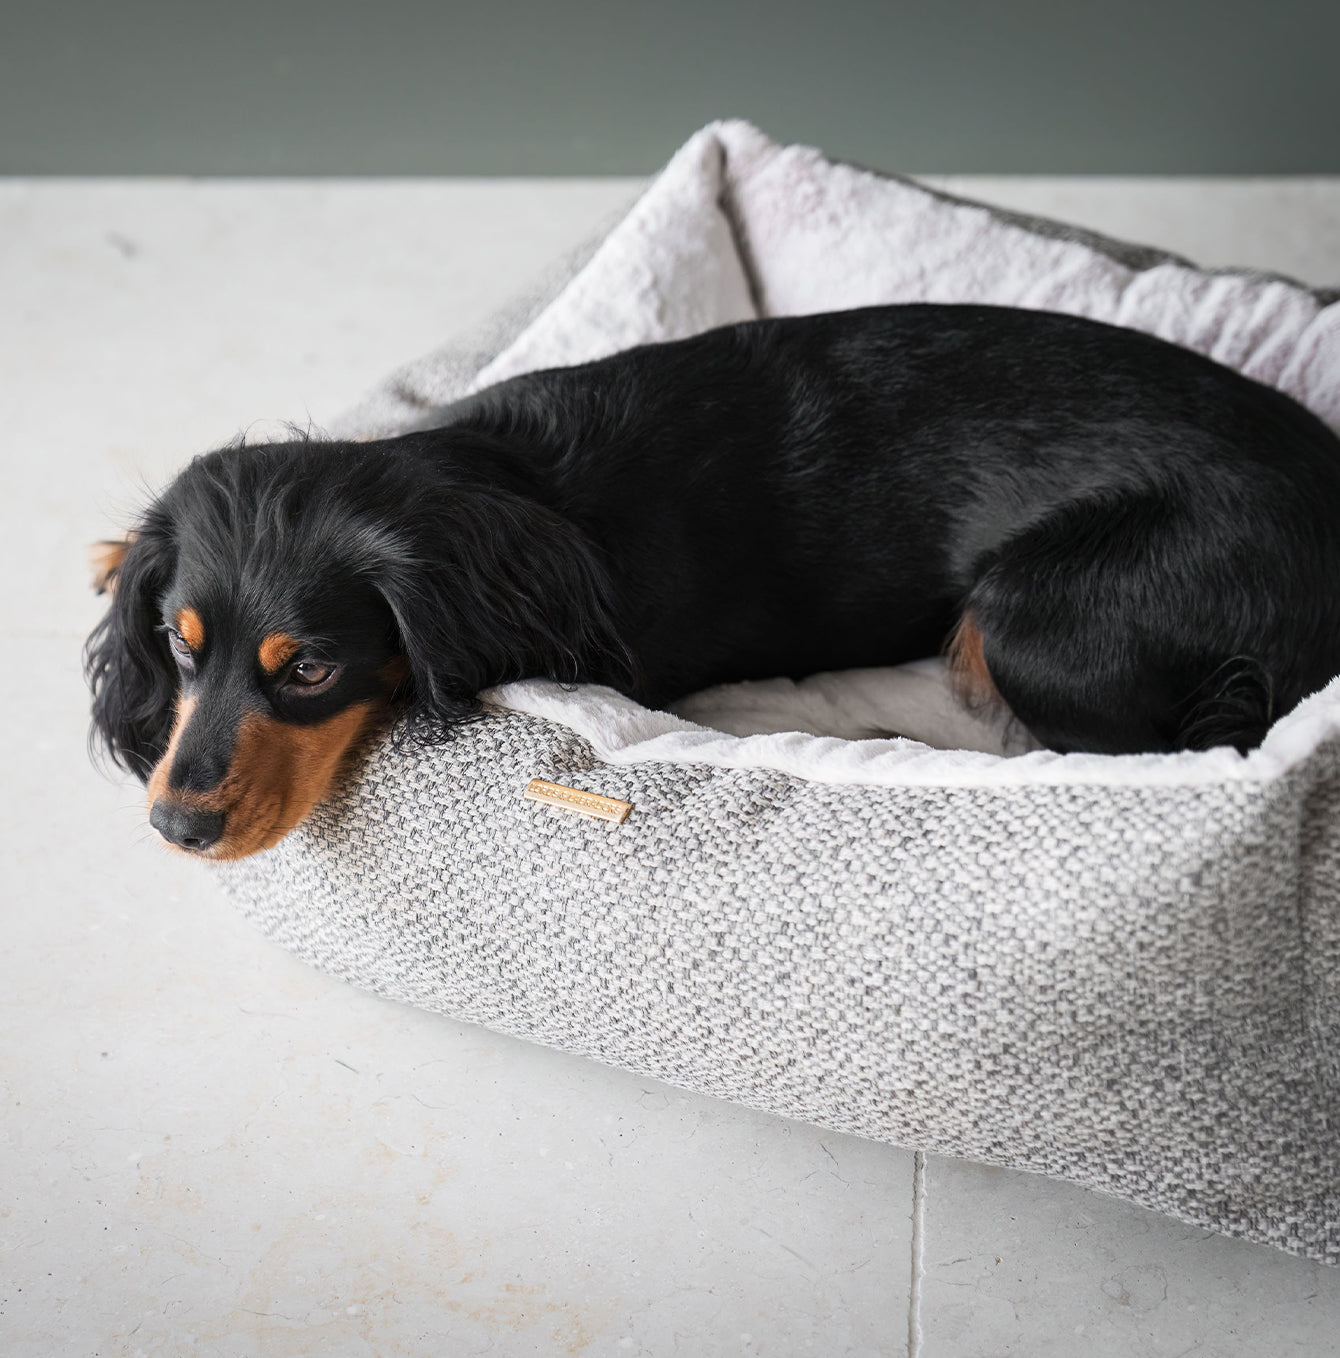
{"x":277,"y":775}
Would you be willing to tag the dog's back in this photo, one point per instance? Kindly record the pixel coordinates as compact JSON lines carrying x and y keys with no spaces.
{"x":1133,"y":542}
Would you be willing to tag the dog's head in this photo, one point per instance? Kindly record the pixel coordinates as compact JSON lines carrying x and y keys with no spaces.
{"x":278,"y":603}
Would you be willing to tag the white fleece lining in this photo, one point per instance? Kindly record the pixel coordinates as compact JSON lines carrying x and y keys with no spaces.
{"x":623,"y":732}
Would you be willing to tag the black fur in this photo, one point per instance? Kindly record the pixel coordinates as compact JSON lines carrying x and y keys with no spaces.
{"x":1145,"y":539}
{"x":134,"y":681}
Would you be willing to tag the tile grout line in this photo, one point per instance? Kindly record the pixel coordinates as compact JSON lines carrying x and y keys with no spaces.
{"x":918,"y":1245}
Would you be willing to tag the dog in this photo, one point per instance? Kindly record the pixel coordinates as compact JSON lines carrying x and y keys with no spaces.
{"x":1130,"y":547}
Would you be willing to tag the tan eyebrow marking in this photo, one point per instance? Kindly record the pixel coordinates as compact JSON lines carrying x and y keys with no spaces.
{"x":191,"y":627}
{"x":276,"y":650}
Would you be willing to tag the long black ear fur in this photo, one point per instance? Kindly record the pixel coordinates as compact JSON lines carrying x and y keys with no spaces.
{"x":496,"y":587}
{"x":133,"y":680}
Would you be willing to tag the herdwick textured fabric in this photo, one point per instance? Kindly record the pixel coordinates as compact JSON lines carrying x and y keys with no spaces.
{"x":1124,"y":972}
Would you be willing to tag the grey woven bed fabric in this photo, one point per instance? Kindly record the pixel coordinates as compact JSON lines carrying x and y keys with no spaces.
{"x":1133,"y":988}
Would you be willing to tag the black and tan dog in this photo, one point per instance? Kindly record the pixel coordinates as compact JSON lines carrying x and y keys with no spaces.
{"x":1134,"y":548}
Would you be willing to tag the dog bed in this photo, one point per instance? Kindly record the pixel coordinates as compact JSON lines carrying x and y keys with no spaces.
{"x":1120,"y":971}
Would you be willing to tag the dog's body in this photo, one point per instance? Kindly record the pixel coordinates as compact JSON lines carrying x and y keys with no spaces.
{"x":1130,"y":545}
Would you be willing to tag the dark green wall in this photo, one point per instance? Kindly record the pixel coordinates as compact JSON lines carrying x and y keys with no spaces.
{"x":595,"y":87}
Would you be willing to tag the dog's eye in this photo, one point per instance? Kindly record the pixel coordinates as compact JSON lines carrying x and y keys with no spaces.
{"x":185,"y":656}
{"x":311,"y":673}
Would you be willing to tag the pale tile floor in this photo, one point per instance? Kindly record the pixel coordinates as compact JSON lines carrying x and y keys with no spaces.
{"x":209,"y":1148}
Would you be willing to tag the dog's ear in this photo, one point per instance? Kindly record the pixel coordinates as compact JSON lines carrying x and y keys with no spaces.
{"x":133,"y":680}
{"x":497,"y":587}
{"x":104,"y":559}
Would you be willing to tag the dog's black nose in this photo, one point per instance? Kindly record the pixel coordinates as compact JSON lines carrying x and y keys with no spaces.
{"x":195,"y":830}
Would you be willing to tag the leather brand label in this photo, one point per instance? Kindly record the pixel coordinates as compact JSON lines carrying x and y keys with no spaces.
{"x":583,"y":803}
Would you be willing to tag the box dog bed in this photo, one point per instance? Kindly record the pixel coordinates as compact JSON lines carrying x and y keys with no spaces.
{"x":1121,"y":971}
